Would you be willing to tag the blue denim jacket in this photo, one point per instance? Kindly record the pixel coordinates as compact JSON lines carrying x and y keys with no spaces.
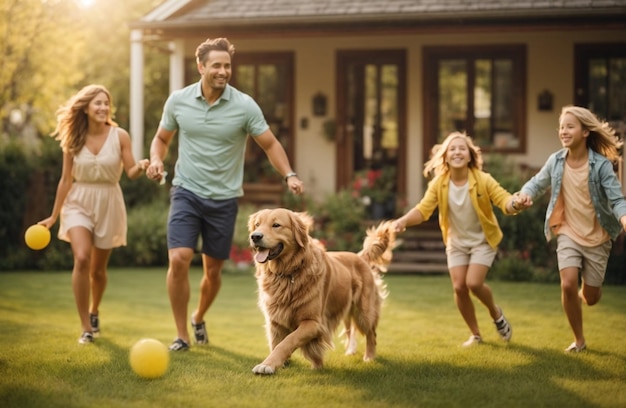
{"x":606,"y":193}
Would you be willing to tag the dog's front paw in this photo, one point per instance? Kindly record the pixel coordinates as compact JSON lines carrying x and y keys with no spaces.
{"x":351,"y":345}
{"x":263,"y":369}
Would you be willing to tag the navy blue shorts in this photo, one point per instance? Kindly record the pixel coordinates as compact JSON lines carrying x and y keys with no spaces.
{"x":191,"y":216}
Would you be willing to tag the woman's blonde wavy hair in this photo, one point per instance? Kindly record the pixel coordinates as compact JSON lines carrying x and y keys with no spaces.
{"x":437,"y":164}
{"x":72,"y":121}
{"x":602,"y":138}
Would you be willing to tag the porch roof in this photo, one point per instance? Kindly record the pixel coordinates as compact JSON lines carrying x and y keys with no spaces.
{"x":264,"y":16}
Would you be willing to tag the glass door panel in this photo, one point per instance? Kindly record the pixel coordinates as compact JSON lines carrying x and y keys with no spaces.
{"x":268,"y":79}
{"x":371,"y":116}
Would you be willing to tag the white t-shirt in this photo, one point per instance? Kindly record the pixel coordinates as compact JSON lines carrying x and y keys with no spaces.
{"x":465,"y":229}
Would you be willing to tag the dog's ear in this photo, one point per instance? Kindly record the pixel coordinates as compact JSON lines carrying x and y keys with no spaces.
{"x":300,"y":229}
{"x":252,"y":221}
{"x":307,"y":219}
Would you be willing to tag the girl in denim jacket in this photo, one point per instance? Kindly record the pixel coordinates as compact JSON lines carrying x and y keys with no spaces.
{"x":585,"y":210}
{"x":465,"y":196}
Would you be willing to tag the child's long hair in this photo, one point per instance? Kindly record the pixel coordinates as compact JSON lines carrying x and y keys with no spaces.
{"x":72,"y":121}
{"x":602,"y":138}
{"x":437,"y":163}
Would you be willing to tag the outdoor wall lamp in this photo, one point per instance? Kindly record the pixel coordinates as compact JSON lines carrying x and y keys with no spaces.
{"x":544,"y":101}
{"x":319,"y":104}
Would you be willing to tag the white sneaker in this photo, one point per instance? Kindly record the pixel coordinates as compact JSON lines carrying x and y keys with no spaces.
{"x":87,"y":338}
{"x":473,"y":339}
{"x":574,"y":348}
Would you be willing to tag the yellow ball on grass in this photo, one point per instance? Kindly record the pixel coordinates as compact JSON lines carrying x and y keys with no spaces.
{"x":37,"y":237}
{"x":149,"y":358}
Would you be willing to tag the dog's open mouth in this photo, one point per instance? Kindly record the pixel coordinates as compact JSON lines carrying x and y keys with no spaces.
{"x":267,"y":254}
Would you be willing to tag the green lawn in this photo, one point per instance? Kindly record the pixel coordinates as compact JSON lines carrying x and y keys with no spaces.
{"x":420,"y":362}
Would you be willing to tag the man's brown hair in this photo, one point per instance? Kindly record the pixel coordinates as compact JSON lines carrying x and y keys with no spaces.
{"x":216,"y":44}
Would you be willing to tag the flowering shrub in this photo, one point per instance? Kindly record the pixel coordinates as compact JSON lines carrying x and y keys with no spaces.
{"x":375,"y":185}
{"x":241,"y":256}
{"x":240,"y":252}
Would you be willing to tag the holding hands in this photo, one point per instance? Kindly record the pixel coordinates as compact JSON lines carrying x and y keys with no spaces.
{"x":412,"y":217}
{"x":399,"y":225}
{"x":520,"y":202}
{"x":143,"y":164}
{"x":155,"y":171}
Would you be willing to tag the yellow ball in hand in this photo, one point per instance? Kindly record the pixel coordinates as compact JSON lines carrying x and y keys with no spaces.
{"x":37,"y":237}
{"x":149,"y":358}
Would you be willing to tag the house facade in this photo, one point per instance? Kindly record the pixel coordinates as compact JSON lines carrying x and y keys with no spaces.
{"x":355,"y":86}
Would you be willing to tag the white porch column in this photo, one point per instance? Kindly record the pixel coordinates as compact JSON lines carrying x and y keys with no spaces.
{"x":177,"y":65}
{"x":136,"y":93}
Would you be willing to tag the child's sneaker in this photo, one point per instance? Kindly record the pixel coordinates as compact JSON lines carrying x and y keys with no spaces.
{"x":473,"y":340}
{"x":574,"y":348}
{"x":503,"y":327}
{"x":86,"y":338}
{"x":95,"y":324}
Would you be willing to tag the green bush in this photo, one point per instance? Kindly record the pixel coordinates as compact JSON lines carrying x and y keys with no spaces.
{"x":512,"y":268}
{"x":31,"y":175}
{"x":616,"y":268}
{"x":302,"y":202}
{"x":340,"y":221}
{"x":57,"y":256}
{"x":517,"y":268}
{"x":523,"y":233}
{"x":146,"y":237}
{"x":146,"y":243}
{"x":240,"y":239}
{"x":142,"y":191}
{"x":15,"y":176}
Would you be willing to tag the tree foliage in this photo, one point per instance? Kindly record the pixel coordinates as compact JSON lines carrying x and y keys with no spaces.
{"x":41,"y":50}
{"x":49,"y":49}
{"x":52,"y":48}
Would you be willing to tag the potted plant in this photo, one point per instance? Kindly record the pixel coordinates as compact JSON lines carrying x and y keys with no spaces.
{"x":376,"y":189}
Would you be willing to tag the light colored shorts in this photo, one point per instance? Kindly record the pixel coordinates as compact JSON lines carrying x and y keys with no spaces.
{"x":591,"y":261}
{"x":482,"y":254}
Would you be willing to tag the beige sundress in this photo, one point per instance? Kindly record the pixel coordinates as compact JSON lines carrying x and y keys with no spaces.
{"x":95,"y":200}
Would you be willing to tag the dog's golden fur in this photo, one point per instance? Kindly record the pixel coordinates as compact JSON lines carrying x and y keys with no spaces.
{"x":305,"y":292}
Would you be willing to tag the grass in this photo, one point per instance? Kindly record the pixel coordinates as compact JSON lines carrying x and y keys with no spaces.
{"x":420,"y":362}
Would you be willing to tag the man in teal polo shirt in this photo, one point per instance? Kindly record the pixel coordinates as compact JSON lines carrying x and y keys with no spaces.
{"x":213,"y":121}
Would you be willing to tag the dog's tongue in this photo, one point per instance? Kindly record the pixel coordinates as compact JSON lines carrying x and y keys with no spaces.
{"x":262,"y":255}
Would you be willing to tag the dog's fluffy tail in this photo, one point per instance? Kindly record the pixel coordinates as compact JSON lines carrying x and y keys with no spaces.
{"x":378,"y":246}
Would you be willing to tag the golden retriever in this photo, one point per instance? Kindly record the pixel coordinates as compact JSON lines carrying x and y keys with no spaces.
{"x":305,"y":292}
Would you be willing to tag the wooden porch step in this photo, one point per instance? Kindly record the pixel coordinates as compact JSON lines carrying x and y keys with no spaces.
{"x":420,"y":251}
{"x":263,"y":194}
{"x":417,"y":268}
{"x":420,"y":256}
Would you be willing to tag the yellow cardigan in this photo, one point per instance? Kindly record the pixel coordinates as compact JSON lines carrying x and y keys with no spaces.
{"x":484,"y":191}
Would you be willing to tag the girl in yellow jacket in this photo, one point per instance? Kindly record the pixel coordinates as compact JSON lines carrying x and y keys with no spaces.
{"x":465,"y":196}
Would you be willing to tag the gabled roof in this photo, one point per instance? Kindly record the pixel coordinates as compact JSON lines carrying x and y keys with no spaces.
{"x":255,"y":15}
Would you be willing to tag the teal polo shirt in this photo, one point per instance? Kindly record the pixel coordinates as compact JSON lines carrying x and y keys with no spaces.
{"x":212,"y":139}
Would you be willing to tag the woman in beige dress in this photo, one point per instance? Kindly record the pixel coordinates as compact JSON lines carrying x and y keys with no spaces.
{"x":89,"y":198}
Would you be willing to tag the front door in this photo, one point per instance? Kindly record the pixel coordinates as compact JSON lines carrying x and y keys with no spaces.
{"x":371,"y":119}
